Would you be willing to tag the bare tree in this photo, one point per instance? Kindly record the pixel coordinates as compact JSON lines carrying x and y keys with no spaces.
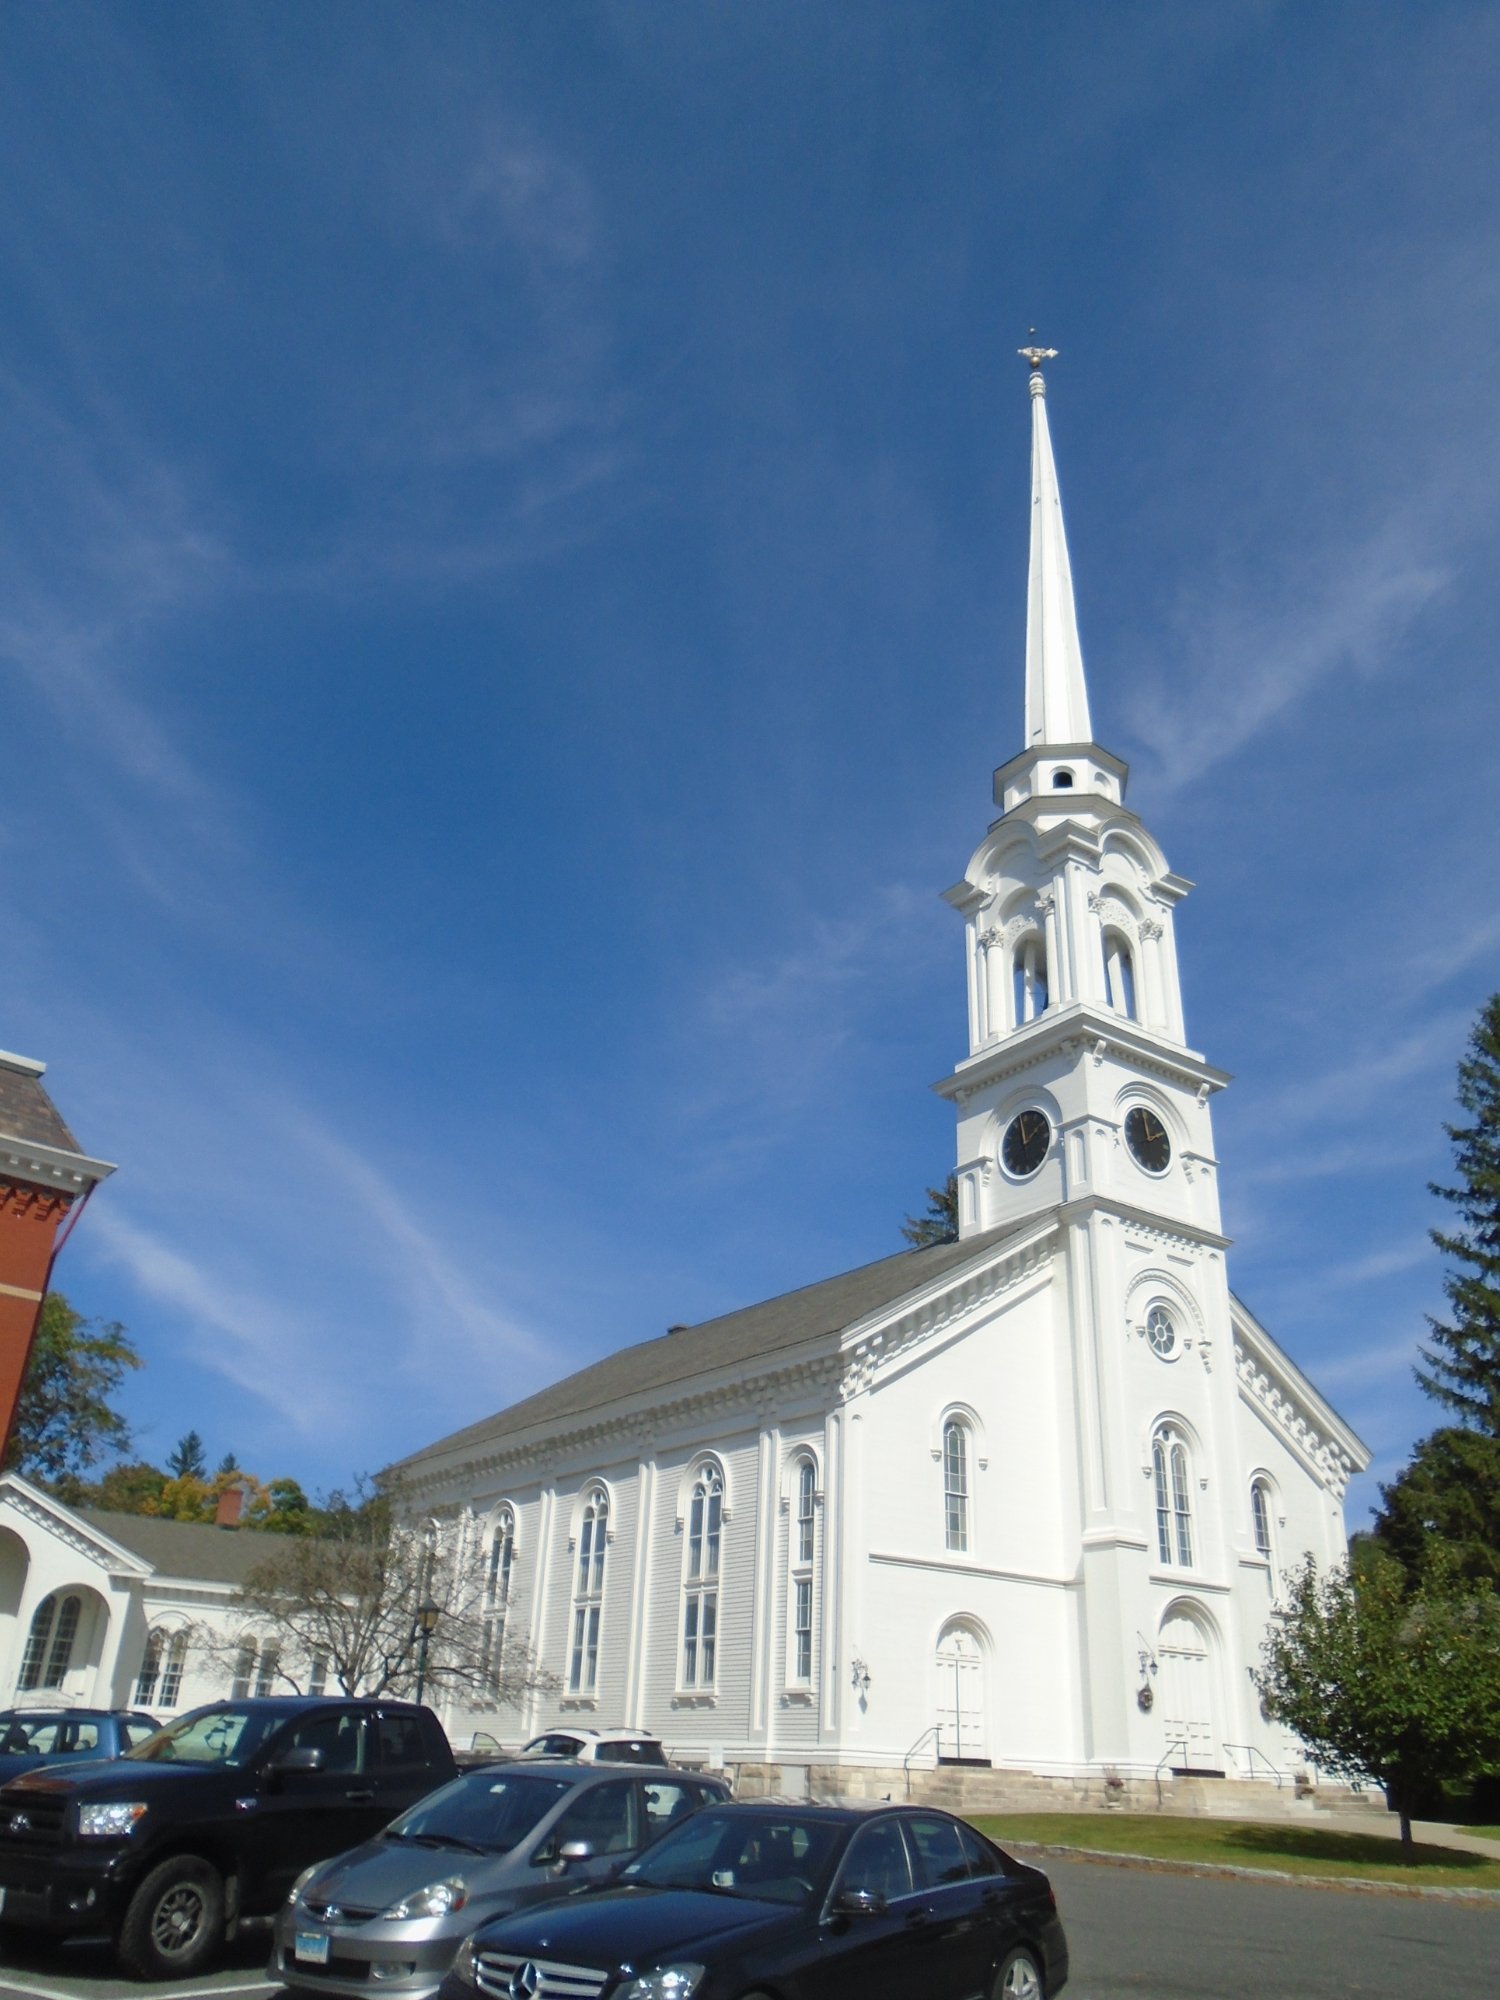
{"x":346,"y":1600}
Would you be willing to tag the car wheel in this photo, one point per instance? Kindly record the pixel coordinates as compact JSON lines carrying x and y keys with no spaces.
{"x":175,"y":1922}
{"x":1019,"y":1978}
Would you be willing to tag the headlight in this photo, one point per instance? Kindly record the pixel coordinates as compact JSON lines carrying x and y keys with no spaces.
{"x":436,"y":1900}
{"x":111,"y":1819}
{"x":302,"y":1881}
{"x":463,"y":1965}
{"x":669,"y":1982}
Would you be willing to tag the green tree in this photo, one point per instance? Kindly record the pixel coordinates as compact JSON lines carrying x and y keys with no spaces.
{"x":229,"y":1463}
{"x":187,"y":1460}
{"x":124,"y":1489}
{"x":66,"y":1422}
{"x":1387,"y":1681}
{"x":940,"y":1223}
{"x":1449,"y":1494}
{"x":1463,"y":1358}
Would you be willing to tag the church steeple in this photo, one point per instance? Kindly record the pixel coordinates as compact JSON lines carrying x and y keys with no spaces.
{"x":1057,"y":700}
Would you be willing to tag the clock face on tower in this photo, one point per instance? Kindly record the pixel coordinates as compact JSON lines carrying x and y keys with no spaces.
{"x":1147,"y":1139}
{"x":1024,"y":1147}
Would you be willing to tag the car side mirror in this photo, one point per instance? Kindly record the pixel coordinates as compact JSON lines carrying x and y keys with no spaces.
{"x":858,"y":1903}
{"x":575,"y":1850}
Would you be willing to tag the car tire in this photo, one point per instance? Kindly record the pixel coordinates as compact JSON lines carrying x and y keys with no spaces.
{"x":1020,"y":1977}
{"x":175,"y":1920}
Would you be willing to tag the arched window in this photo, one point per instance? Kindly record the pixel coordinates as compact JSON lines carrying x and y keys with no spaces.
{"x":1174,"y":1513}
{"x":49,"y":1644}
{"x":497,"y":1589}
{"x":146,"y":1679}
{"x":1260,"y":1514}
{"x":269,"y":1670}
{"x":700,"y":1589}
{"x":588,"y":1594}
{"x":244,"y":1668}
{"x":1029,"y":978}
{"x":317,"y":1671}
{"x":955,"y":1485}
{"x":803,"y":1551}
{"x":172,"y":1670}
{"x":1119,"y":974}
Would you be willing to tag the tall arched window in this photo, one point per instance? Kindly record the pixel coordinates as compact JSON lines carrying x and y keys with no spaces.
{"x":146,"y":1679}
{"x":955,"y":1485}
{"x":172,"y":1669}
{"x":1029,"y":978}
{"x":269,"y":1670}
{"x":700,"y":1588}
{"x":1119,"y":974}
{"x":803,"y":1553}
{"x":49,"y":1644}
{"x":1174,"y":1513}
{"x":588,"y":1594}
{"x":244,"y":1668}
{"x":497,"y":1589}
{"x":1260,"y":1515}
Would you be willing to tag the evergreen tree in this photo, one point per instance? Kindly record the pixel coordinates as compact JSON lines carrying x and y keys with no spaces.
{"x":1449,"y":1495}
{"x":187,"y":1460}
{"x":228,"y":1463}
{"x":940,"y":1223}
{"x":1463,"y":1360}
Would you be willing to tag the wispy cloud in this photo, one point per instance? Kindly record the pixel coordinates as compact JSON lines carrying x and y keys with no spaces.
{"x":1251,"y":664}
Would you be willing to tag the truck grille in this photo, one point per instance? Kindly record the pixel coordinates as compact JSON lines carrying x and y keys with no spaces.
{"x":493,"y":1971}
{"x":32,"y":1819}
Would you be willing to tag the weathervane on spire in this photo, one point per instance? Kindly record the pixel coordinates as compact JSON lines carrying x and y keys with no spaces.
{"x":1036,"y":355}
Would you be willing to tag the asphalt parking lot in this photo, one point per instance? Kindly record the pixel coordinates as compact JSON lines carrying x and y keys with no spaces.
{"x":1132,"y":1933}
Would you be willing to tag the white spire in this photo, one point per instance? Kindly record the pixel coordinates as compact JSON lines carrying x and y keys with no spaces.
{"x":1057,"y":701}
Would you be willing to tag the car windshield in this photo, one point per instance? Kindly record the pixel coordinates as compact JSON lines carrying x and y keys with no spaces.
{"x":209,"y":1736}
{"x":481,"y":1810}
{"x":769,"y":1857}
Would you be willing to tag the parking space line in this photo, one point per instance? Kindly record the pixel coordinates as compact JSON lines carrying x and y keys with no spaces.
{"x":7,"y":1984}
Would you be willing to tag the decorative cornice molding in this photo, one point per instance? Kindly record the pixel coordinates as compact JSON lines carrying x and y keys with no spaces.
{"x":63,"y":1526}
{"x":1288,"y":1413}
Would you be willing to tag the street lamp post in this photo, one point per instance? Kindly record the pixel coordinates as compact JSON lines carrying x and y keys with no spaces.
{"x":424,"y":1624}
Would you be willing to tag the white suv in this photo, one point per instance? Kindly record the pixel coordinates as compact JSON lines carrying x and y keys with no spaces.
{"x":598,"y":1746}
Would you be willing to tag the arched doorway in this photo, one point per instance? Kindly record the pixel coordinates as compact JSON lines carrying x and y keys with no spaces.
{"x":962,"y":1737}
{"x":1189,"y":1704}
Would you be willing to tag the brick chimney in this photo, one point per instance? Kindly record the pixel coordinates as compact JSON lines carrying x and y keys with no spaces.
{"x":231,"y":1506}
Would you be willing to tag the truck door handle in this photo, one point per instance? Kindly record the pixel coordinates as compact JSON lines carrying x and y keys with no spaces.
{"x":360,"y":1798}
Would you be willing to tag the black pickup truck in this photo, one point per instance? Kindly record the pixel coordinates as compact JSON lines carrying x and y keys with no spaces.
{"x":212,"y":1819}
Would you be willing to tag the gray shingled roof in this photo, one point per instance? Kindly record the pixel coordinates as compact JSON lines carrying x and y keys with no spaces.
{"x":738,"y":1338}
{"x":28,"y":1113}
{"x":186,"y":1549}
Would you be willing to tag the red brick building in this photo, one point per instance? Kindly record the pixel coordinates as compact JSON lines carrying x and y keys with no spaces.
{"x":44,"y":1179}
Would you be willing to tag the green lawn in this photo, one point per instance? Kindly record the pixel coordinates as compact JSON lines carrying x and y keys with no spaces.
{"x":1301,"y":1850}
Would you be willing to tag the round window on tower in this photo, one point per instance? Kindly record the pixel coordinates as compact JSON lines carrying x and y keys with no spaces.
{"x":1161,"y":1334}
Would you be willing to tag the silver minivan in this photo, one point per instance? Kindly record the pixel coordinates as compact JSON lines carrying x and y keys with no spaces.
{"x":388,"y":1916}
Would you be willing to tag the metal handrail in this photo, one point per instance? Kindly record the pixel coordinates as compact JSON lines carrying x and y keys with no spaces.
{"x":936,"y":1729}
{"x":1252,"y":1753}
{"x":1179,"y":1743}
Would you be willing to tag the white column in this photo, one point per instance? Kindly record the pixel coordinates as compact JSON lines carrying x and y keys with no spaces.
{"x":831,"y":1664}
{"x":763,"y":1627}
{"x":640,"y":1592}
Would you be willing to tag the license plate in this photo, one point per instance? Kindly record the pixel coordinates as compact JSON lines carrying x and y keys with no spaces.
{"x":308,"y":1948}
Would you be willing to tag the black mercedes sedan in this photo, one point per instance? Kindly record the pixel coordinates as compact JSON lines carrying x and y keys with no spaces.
{"x":744,"y":1902}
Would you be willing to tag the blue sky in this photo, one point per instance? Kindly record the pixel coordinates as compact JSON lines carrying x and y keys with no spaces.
{"x":512,"y":589}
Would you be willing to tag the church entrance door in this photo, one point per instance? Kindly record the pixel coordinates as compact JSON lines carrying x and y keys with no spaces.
{"x":960,"y":1698}
{"x":1187,"y":1696}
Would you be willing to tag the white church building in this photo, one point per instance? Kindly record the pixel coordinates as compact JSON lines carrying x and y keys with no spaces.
{"x":1019,"y":1500}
